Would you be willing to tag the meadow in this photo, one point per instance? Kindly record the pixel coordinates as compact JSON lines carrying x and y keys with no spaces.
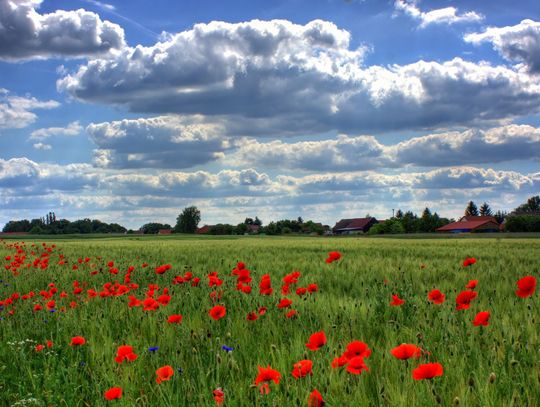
{"x":215,"y":361}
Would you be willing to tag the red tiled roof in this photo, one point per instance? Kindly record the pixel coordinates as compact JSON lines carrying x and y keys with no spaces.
{"x":204,"y":229}
{"x":472,"y":224}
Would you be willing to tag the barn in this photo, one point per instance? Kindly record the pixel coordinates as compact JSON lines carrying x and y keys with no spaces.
{"x":471,"y":224}
{"x":353,"y":226}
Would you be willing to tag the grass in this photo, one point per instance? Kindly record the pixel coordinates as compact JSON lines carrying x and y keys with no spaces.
{"x":495,"y":365}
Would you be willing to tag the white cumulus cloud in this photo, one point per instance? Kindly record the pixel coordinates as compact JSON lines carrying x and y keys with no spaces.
{"x":25,"y":34}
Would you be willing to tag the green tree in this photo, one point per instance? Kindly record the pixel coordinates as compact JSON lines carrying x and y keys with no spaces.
{"x":500,"y":216}
{"x":485,"y":210}
{"x":153,"y":228}
{"x":532,"y":205}
{"x":471,"y":209}
{"x":188,"y":220}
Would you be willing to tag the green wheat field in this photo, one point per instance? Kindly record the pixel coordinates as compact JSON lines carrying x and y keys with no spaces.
{"x":493,"y":365}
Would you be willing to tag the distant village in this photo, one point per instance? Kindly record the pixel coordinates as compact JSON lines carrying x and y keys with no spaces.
{"x":524,"y":218}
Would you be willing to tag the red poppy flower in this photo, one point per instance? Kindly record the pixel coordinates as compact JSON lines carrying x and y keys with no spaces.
{"x":291,"y":278}
{"x":315,"y":399}
{"x":163,"y":268}
{"x":49,"y":344}
{"x":356,"y":365}
{"x":469,"y":261}
{"x":316,"y":341}
{"x":471,"y":284}
{"x":427,"y":371}
{"x":217,"y":312}
{"x":175,"y":319}
{"x":77,"y":341}
{"x":164,"y":373}
{"x":264,"y":388}
{"x":333,"y":256}
{"x":396,"y":301}
{"x":357,"y":348}
{"x":482,"y":318}
{"x":125,"y":352}
{"x":292,"y":313}
{"x":267,"y":374}
{"x":301,"y":291}
{"x":262,"y":310}
{"x":312,"y":288}
{"x":149,"y":304}
{"x":338,"y":362}
{"x":265,"y":287}
{"x":252,"y":316}
{"x":39,"y":348}
{"x":406,"y":351}
{"x":302,"y":368}
{"x":436,"y":297}
{"x":526,"y":286}
{"x":284,"y":303}
{"x":464,"y":298}
{"x":113,"y":393}
{"x":219,"y":396}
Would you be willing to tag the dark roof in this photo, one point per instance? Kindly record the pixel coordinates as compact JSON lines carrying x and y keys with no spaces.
{"x":467,"y":224}
{"x":342,"y":223}
{"x":353,"y":224}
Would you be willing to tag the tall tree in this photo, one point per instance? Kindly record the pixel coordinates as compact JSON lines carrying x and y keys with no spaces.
{"x":500,"y":216}
{"x":188,"y":220}
{"x":471,"y":209}
{"x":485,"y":210}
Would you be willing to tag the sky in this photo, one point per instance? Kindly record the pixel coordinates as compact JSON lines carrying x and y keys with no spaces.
{"x":130,"y":111}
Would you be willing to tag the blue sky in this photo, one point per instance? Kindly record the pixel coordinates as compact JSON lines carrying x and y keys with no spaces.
{"x":129,"y":111}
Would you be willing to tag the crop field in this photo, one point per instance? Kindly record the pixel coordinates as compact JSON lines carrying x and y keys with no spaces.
{"x":269,"y":322}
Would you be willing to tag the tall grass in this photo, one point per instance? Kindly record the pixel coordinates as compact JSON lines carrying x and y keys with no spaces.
{"x":495,"y":365}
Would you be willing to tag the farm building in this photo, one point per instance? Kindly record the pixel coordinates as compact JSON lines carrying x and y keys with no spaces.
{"x":472,"y":224}
{"x":353,"y":226}
{"x":164,"y":231}
{"x":203,"y":230}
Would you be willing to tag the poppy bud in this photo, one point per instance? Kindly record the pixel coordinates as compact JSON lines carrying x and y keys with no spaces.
{"x":492,"y":377}
{"x":471,"y":382}
{"x":514,"y":362}
{"x":273,"y":347}
{"x":438,"y":399}
{"x":218,"y":359}
{"x":194,"y":350}
{"x":456,"y":401}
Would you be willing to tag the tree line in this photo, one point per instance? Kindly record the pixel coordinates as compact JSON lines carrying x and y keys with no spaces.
{"x":524,"y":218}
{"x":51,"y":226}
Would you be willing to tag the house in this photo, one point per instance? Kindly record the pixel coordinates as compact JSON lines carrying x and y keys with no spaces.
{"x":204,"y":230}
{"x":353,"y":226}
{"x":164,"y":231}
{"x":253,"y":229}
{"x":472,"y":224}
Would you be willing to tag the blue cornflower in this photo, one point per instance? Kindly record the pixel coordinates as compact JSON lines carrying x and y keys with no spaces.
{"x":227,"y":348}
{"x":153,"y":348}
